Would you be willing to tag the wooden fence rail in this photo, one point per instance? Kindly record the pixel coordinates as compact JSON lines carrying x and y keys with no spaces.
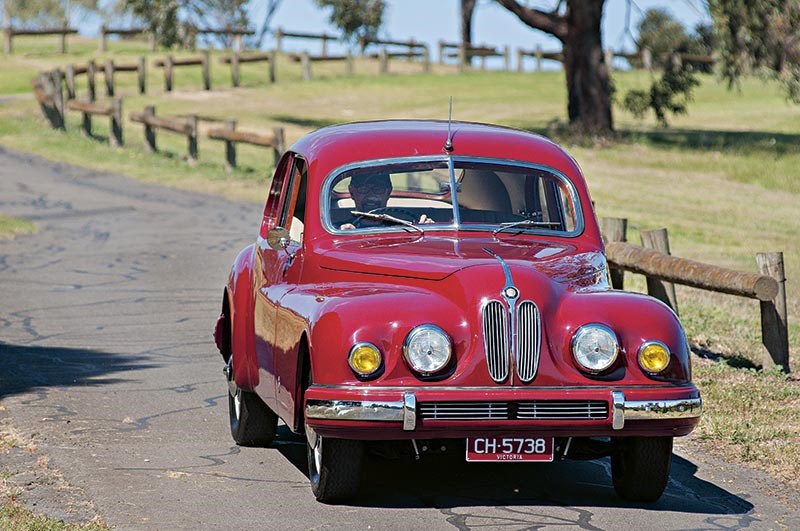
{"x":10,"y":33}
{"x":464,"y":54}
{"x":768,"y":287}
{"x":105,"y":31}
{"x":236,"y":59}
{"x":305,"y":60}
{"x":169,"y":64}
{"x":324,"y":37}
{"x":183,"y":126}
{"x":112,"y":109}
{"x":231,"y":137}
{"x":111,"y":68}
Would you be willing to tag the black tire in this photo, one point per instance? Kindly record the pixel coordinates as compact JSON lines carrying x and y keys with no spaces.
{"x":640,"y":467}
{"x":334,"y":473}
{"x":334,"y":466}
{"x":252,"y":422}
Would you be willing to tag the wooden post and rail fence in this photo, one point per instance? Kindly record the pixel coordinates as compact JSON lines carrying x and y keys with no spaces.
{"x":663,"y":271}
{"x":231,"y":137}
{"x":112,"y":109}
{"x":236,"y":59}
{"x":464,"y":54}
{"x":103,"y":34}
{"x":323,"y":37}
{"x":169,"y":64}
{"x":10,"y":33}
{"x":183,"y":126}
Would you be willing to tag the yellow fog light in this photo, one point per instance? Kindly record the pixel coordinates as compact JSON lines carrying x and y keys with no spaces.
{"x":654,"y":356}
{"x":365,"y":359}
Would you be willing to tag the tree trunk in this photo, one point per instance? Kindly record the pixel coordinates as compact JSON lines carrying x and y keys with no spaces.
{"x":588,"y":83}
{"x":467,"y":8}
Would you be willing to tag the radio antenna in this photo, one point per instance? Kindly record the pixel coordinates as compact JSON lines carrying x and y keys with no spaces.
{"x":448,"y":145}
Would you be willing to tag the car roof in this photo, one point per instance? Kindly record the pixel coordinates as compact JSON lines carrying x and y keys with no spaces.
{"x":331,"y":147}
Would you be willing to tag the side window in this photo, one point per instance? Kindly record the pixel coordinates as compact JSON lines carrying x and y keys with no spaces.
{"x":293,"y":214}
{"x":277,"y":191}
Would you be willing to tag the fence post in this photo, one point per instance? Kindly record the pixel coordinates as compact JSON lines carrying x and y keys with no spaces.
{"x":149,"y":130}
{"x":141,"y":74}
{"x":63,"y":42}
{"x":615,"y":230}
{"x":774,"y":323}
{"x":349,"y":67}
{"x":235,"y":69}
{"x":273,"y":57}
{"x":658,"y":239}
{"x":441,"y":52}
{"x":207,"y":70}
{"x":91,"y":70}
{"x":278,"y":40}
{"x":168,"y":73}
{"x":539,"y":57}
{"x":383,"y":60}
{"x":230,"y":147}
{"x":647,"y":59}
{"x":70,"y":72}
{"x":115,"y":129}
{"x":192,"y":140}
{"x":280,"y":144}
{"x":507,"y":58}
{"x":462,"y":57}
{"x":86,"y":125}
{"x":426,"y":58}
{"x":101,"y":39}
{"x":109,"y":75}
{"x":520,"y":56}
{"x":324,"y":50}
{"x":305,"y":60}
{"x":58,"y":97}
{"x":8,"y":42}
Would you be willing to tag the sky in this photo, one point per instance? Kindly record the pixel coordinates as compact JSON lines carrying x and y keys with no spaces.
{"x":431,"y":20}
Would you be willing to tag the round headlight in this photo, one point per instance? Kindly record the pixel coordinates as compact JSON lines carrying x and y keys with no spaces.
{"x":365,"y":358}
{"x":427,"y":349}
{"x":595,"y":347}
{"x":653,"y":356}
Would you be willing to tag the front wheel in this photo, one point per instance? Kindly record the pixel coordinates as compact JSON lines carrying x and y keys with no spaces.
{"x":334,"y":466}
{"x":640,"y":467}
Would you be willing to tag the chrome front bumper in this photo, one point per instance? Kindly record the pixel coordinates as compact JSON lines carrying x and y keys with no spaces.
{"x":405,"y":411}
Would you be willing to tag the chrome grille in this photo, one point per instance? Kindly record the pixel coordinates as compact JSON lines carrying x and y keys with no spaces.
{"x":527,"y":410}
{"x":571,"y":409}
{"x":495,"y":340}
{"x":464,"y":410}
{"x":529,"y":340}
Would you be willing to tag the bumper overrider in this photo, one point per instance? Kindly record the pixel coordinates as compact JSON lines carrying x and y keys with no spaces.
{"x":674,"y":411}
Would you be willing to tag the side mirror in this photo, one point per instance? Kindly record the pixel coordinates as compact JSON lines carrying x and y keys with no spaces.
{"x":278,"y":238}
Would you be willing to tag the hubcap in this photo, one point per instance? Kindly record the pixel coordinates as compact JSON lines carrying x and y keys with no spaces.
{"x":315,"y":446}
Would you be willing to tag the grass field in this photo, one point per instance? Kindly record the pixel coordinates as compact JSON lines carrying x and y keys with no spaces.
{"x":724,"y":179}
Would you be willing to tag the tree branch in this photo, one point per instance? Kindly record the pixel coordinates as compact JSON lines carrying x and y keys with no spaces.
{"x":552,"y":23}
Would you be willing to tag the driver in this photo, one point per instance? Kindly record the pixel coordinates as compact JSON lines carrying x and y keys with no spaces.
{"x":371,"y":192}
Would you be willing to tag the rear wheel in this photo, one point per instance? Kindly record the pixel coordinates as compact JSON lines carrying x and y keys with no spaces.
{"x":252,"y":422}
{"x":640,"y":467}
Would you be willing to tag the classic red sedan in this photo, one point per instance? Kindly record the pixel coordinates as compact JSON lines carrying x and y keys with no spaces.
{"x":440,"y":284}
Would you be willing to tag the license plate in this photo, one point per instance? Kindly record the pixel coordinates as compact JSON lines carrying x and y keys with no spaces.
{"x":516,"y":449}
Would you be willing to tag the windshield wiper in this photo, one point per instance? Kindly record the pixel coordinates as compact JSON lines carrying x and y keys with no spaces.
{"x":386,"y":218}
{"x":525,"y":223}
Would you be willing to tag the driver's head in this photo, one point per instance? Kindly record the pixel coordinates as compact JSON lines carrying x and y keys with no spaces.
{"x":370,"y":191}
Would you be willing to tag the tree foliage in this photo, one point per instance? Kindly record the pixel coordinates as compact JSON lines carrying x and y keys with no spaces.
{"x":668,"y":94}
{"x":359,"y":20}
{"x":759,"y":36}
{"x":44,"y":13}
{"x":664,"y":36}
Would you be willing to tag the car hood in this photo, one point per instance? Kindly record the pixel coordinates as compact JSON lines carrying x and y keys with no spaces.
{"x":436,"y":258}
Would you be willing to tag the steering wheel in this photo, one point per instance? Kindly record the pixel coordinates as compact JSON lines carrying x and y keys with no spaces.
{"x":400,"y":213}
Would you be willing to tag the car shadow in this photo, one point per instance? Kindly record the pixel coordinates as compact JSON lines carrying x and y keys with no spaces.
{"x":447,"y":481}
{"x":26,"y":367}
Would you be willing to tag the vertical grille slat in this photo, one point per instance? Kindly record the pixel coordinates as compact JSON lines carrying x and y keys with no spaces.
{"x":495,"y":340}
{"x":529,"y":340}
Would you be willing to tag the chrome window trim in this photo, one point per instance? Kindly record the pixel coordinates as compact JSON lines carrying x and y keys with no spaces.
{"x":451,"y":161}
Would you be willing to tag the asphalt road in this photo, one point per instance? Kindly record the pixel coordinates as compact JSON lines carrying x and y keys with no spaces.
{"x":110,"y":375}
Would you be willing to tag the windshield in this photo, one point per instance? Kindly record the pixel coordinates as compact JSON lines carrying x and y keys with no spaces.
{"x":503,"y":198}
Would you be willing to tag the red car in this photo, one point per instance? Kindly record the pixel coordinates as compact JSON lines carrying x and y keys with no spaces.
{"x":419,"y":285}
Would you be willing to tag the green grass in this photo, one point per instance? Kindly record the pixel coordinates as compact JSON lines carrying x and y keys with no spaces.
{"x":15,"y":517}
{"x":724,"y":179}
{"x":10,"y":227}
